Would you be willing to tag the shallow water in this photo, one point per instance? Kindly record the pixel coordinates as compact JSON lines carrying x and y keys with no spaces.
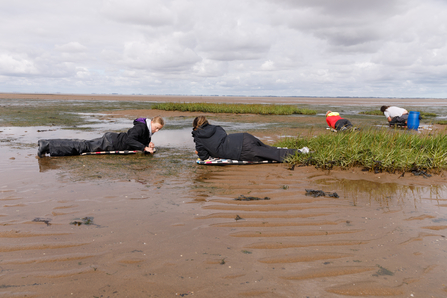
{"x":164,"y":226}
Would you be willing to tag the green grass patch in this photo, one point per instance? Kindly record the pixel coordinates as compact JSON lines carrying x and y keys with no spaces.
{"x":373,"y":112}
{"x":441,"y":122}
{"x":427,"y":115}
{"x":375,"y":150}
{"x":268,"y":109}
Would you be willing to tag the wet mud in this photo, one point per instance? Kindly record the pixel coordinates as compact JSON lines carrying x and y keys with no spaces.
{"x":163,"y":226}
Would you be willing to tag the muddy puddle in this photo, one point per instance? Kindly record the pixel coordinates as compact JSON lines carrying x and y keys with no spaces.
{"x":162,"y":226}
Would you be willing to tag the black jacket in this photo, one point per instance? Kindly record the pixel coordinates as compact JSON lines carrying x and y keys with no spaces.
{"x":136,"y":138}
{"x":212,"y":140}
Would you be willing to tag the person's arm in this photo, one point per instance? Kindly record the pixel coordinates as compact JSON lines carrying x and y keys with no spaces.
{"x":134,"y":136}
{"x":387,"y":116}
{"x":202,"y":152}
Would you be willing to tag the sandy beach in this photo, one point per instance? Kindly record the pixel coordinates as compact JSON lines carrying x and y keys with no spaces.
{"x":163,"y":226}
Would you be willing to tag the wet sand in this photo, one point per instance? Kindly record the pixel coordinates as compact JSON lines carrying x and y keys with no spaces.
{"x":162,"y":226}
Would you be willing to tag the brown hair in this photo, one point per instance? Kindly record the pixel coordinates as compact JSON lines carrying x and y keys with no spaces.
{"x":159,"y":120}
{"x":383,"y":108}
{"x":199,"y":121}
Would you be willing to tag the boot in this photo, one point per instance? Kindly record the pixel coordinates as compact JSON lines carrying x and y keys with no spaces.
{"x":44,"y":147}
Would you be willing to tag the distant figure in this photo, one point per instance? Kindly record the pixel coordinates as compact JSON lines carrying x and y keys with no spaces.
{"x":336,"y":122}
{"x":395,"y":116}
{"x":136,"y":138}
{"x":213,"y":141}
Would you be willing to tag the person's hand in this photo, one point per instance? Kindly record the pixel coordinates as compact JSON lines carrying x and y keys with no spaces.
{"x":151,"y":145}
{"x":149,"y":149}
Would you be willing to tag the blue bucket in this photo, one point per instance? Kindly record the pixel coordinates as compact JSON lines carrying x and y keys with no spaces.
{"x":413,"y":120}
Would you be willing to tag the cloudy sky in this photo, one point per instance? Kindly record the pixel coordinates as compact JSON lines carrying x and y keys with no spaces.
{"x":381,"y":48}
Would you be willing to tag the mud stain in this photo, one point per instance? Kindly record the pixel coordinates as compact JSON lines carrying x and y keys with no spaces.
{"x":272,"y":224}
{"x":20,"y":234}
{"x":284,"y":244}
{"x":291,"y":233}
{"x":365,"y":288}
{"x":303,"y":258}
{"x":261,"y":215}
{"x":328,"y":272}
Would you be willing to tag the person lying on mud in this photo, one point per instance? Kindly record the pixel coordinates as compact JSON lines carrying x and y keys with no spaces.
{"x":213,"y":141}
{"x":136,"y":138}
{"x":396,"y":116}
{"x":336,"y":122}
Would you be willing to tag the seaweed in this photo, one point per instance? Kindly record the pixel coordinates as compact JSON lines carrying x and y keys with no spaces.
{"x":44,"y":220}
{"x":244,"y":198}
{"x":320,"y":193}
{"x":83,"y":221}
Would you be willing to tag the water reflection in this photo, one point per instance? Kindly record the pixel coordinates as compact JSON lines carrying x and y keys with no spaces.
{"x":140,"y":166}
{"x":387,"y":195}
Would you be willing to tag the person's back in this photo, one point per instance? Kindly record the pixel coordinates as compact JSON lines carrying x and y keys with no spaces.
{"x":136,"y":138}
{"x":212,"y":140}
{"x":336,"y":122}
{"x":394,"y":112}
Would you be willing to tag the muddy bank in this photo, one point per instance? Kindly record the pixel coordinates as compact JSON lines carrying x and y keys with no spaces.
{"x":163,"y":226}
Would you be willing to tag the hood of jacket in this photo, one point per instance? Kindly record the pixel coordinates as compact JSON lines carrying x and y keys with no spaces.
{"x":205,"y":131}
{"x":139,"y":120}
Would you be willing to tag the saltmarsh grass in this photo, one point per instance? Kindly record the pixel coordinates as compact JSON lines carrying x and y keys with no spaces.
{"x":373,"y":149}
{"x":268,"y":109}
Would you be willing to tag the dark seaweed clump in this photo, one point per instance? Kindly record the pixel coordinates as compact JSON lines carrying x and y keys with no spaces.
{"x":83,"y":221}
{"x":320,"y":193}
{"x":44,"y":220}
{"x":244,"y":198}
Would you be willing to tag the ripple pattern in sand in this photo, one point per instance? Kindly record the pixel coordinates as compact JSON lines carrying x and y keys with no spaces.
{"x":324,"y":246}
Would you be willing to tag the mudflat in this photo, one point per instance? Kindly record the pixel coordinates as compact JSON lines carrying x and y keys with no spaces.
{"x":162,"y":226}
{"x":366,"y":101}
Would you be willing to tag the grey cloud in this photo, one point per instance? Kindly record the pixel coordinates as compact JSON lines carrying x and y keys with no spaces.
{"x":71,"y":47}
{"x":139,"y":12}
{"x":277,"y":47}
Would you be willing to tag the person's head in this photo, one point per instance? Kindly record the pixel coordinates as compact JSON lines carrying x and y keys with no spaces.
{"x":199,"y":121}
{"x":383,"y":108}
{"x":328,"y":112}
{"x":157,"y":123}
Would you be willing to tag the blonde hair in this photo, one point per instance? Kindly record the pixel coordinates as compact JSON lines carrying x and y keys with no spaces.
{"x":159,"y":120}
{"x":199,"y":121}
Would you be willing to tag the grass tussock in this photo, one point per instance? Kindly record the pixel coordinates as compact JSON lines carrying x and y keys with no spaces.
{"x":375,"y":150}
{"x":260,"y":109}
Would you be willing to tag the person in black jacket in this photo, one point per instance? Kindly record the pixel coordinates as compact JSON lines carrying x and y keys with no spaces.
{"x":213,"y":141}
{"x":136,"y":138}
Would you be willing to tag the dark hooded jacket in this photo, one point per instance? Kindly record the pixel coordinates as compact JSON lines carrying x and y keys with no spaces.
{"x":212,"y":140}
{"x":136,"y":138}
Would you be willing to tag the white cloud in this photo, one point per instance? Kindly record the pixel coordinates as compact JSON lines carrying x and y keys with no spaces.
{"x":10,"y":65}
